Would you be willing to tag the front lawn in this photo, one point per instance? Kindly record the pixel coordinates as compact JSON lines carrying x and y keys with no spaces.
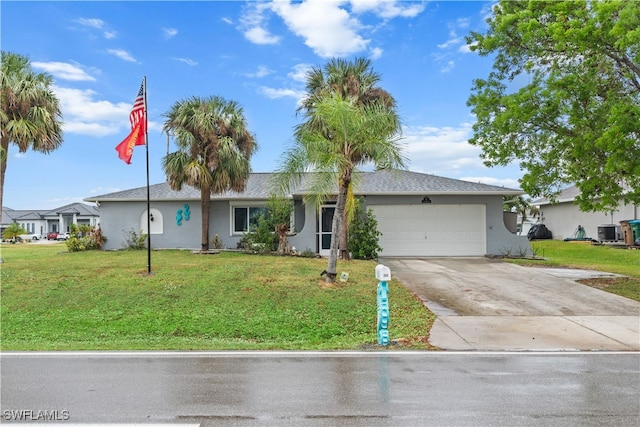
{"x":556,"y":253}
{"x":55,"y":300}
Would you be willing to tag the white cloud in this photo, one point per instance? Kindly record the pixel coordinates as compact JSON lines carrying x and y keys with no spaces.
{"x":98,"y":24}
{"x":122,"y":54}
{"x":325,"y":27}
{"x":388,"y":9}
{"x":253,"y":24}
{"x":451,"y":42}
{"x":64,"y":71}
{"x":261,"y":72}
{"x":85,"y":115}
{"x":299,"y":73}
{"x":329,"y":28}
{"x":259,"y":35}
{"x":187,"y":61}
{"x":441,"y":150}
{"x":91,"y":22}
{"x":445,"y":151}
{"x":169,"y":32}
{"x":376,"y":53}
{"x":274,"y":93}
{"x":448,"y":66}
{"x":227,"y":20}
{"x":466,"y":48}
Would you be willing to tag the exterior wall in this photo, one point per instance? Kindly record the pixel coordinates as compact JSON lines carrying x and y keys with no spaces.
{"x":118,"y":218}
{"x":306,"y":228}
{"x":36,"y":226}
{"x":500,"y":241}
{"x":563,"y":219}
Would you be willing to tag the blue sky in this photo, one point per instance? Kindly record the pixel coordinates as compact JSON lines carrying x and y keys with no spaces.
{"x":255,"y":53}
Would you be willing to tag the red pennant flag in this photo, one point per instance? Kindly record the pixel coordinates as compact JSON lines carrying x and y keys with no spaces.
{"x":138,"y":119}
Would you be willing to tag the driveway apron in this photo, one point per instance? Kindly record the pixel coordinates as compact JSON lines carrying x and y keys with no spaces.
{"x":487,"y":304}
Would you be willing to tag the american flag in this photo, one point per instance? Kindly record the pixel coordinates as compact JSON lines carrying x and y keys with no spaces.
{"x":137,"y":112}
{"x":138,"y":120}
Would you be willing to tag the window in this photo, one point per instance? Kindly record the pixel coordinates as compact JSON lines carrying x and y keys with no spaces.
{"x":245,"y":218}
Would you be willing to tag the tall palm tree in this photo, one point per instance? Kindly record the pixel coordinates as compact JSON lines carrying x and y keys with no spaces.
{"x":214,"y":149}
{"x":359,"y":134}
{"x":30,"y":115}
{"x":356,"y":81}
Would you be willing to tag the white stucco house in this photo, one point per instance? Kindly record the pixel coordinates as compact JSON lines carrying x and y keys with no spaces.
{"x":418,"y":215}
{"x":564,"y":216}
{"x":57,"y":220}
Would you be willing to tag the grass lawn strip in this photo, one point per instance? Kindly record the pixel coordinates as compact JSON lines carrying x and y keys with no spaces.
{"x":54,"y":300}
{"x":555,"y":253}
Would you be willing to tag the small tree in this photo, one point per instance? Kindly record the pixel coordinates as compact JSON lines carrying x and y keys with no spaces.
{"x":363,"y":234}
{"x":272,"y":228}
{"x":279,"y":211}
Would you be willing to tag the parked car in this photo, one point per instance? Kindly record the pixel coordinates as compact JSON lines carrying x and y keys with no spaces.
{"x":52,"y":235}
{"x":62,"y":236}
{"x":30,"y":236}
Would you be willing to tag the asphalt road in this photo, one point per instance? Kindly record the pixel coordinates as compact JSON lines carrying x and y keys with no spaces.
{"x":323,"y":388}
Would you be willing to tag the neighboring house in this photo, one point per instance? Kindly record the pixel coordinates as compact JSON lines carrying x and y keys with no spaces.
{"x":563,"y":217}
{"x":58,"y":220}
{"x":418,"y":215}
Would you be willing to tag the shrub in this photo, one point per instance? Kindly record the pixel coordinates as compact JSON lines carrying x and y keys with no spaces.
{"x":135,"y":240}
{"x":216,"y":242}
{"x":270,"y":233}
{"x":84,"y":238}
{"x":364,"y":235}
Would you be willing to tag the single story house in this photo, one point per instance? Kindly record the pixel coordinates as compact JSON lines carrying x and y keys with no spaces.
{"x":564,"y":216}
{"x":418,"y":215}
{"x":54,"y":220}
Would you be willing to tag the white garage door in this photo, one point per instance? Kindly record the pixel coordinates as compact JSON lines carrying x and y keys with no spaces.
{"x":431,"y":230}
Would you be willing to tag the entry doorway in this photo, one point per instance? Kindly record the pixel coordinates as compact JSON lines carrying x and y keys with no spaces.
{"x":324,"y":229}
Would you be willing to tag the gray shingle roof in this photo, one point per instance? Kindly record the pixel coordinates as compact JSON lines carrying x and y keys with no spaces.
{"x":77,"y":208}
{"x":258,"y":187}
{"x":566,"y":195}
{"x":12,"y":215}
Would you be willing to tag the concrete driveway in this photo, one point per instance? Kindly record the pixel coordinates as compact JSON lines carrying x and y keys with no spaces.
{"x":485,"y":304}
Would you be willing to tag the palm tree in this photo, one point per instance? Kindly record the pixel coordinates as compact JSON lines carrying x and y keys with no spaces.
{"x":349,"y":80}
{"x":358,"y":134}
{"x":13,"y":231}
{"x":214,"y":149}
{"x":30,"y":115}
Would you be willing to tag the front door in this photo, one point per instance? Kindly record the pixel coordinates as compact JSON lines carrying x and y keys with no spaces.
{"x":324,"y":229}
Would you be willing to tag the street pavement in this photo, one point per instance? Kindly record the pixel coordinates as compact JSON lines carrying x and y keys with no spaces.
{"x":376,"y":388}
{"x":487,"y":304}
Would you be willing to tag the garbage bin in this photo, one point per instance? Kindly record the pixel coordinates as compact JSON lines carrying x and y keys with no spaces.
{"x":635,"y":227}
{"x":627,"y":232}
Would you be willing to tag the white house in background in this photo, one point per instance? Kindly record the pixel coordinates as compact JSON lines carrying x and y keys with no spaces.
{"x":564,"y":216}
{"x":57,"y":220}
{"x":418,"y":215}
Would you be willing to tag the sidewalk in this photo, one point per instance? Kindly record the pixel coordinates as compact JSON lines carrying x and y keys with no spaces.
{"x":485,"y":304}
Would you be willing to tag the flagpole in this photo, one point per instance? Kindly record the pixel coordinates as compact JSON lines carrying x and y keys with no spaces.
{"x":146,"y":143}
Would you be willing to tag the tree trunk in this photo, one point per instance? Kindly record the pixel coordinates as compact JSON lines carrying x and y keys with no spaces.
{"x":3,"y":165}
{"x":205,"y":199}
{"x":281,"y":232}
{"x":344,"y":238}
{"x":338,"y":215}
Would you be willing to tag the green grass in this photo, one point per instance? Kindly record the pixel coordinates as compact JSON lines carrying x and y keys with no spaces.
{"x":606,"y":258}
{"x":55,"y":300}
